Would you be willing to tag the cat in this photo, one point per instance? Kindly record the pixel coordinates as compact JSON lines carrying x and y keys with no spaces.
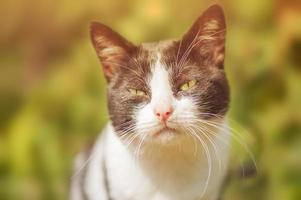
{"x":167,"y":101}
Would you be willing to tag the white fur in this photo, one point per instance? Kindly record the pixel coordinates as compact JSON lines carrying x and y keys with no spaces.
{"x":161,"y":94}
{"x":171,"y":166}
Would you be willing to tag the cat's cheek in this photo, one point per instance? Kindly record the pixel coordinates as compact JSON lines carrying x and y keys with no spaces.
{"x":145,"y":119}
{"x":185,"y":109}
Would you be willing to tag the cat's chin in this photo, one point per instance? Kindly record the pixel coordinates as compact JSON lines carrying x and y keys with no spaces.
{"x":165,"y":131}
{"x":165,"y":136}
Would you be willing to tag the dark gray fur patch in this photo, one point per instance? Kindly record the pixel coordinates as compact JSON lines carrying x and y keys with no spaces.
{"x":199,"y":55}
{"x":134,"y":73}
{"x":211,"y":91}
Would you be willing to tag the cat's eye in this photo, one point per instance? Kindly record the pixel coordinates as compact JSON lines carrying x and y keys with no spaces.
{"x":186,"y":86}
{"x":136,"y":92}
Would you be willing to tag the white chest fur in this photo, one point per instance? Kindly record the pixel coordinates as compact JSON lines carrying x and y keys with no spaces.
{"x":177,"y":172}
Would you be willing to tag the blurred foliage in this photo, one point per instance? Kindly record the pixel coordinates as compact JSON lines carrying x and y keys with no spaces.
{"x":53,"y":101}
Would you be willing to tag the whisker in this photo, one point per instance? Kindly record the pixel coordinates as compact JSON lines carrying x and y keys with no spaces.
{"x":235,"y":135}
{"x":137,"y":151}
{"x":213,"y":145}
{"x":207,"y":153}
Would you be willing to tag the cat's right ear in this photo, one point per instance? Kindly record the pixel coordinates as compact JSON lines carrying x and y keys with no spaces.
{"x":207,"y":36}
{"x":111,"y":48}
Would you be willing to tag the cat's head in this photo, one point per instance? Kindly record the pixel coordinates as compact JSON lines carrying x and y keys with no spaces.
{"x":162,"y":90}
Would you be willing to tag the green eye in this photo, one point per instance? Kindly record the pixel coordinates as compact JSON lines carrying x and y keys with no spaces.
{"x":188,"y":85}
{"x":136,"y":92}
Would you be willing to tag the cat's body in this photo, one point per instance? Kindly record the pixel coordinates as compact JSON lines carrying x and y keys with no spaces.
{"x":167,"y":139}
{"x":177,"y":173}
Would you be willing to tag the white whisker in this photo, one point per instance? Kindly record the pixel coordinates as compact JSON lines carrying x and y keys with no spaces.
{"x":207,"y":153}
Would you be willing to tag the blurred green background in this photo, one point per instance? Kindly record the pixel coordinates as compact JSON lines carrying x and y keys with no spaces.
{"x":52,"y":100}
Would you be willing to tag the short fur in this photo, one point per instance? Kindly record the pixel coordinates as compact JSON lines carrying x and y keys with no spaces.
{"x":140,"y":157}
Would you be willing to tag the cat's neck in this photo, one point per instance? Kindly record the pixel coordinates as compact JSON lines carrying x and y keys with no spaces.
{"x":175,"y":162}
{"x":178,"y":167}
{"x":184,"y":151}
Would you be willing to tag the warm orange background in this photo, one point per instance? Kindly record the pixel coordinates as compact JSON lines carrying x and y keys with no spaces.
{"x":53,"y":93}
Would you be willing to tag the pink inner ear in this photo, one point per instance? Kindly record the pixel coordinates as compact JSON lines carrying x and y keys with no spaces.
{"x":219,"y":58}
{"x":112,"y":49}
{"x":207,"y":35}
{"x":108,"y":71}
{"x":219,"y":55}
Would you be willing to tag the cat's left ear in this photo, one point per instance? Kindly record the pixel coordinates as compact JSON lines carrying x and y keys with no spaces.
{"x":112,"y":49}
{"x":207,"y":36}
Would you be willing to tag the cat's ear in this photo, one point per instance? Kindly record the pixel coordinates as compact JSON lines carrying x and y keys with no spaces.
{"x":111,"y":48}
{"x":207,"y":36}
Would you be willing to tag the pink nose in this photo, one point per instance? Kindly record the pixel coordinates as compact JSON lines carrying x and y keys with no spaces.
{"x":163,"y":112}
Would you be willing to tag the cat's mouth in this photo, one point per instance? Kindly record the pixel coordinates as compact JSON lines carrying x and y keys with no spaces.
{"x":165,"y":130}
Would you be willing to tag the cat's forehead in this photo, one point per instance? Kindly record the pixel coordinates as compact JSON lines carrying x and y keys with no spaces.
{"x":158,"y":49}
{"x":158,"y":46}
